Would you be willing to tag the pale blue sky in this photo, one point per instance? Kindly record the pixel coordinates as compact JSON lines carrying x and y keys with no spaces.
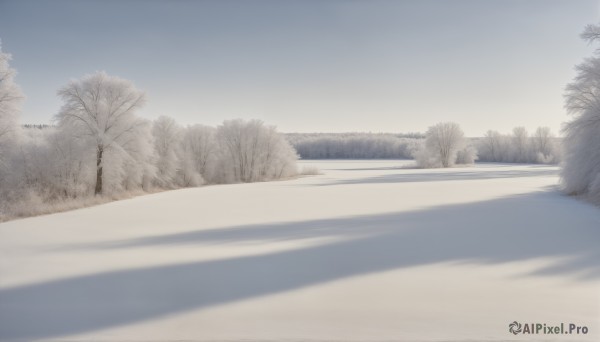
{"x":327,"y":66}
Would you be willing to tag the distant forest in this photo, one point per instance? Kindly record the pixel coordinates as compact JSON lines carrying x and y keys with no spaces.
{"x":517,"y":147}
{"x":355,"y":145}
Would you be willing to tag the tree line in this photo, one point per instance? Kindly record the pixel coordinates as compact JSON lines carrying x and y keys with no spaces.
{"x":354,"y":145}
{"x":519,"y":147}
{"x":101,"y":146}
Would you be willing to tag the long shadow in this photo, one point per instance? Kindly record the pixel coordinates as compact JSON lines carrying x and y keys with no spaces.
{"x":445,"y":176}
{"x":537,"y":225}
{"x":381,"y":168}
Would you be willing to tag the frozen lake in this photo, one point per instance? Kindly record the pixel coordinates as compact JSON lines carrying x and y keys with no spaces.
{"x":365,"y":251}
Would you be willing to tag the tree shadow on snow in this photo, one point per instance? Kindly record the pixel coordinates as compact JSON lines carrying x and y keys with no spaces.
{"x":446,"y":175}
{"x":516,"y":228}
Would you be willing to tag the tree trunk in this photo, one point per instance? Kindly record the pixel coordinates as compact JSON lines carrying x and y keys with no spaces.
{"x":99,"y":152}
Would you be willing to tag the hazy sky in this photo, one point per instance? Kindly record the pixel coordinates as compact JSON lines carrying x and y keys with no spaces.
{"x":328,"y":66}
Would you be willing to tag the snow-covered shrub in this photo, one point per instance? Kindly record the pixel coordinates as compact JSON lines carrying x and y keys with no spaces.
{"x":467,"y":155}
{"x":424,"y":158}
{"x":310,"y":171}
{"x":187,"y":175}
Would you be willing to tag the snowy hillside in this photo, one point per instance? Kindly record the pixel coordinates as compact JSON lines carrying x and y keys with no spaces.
{"x":365,"y":251}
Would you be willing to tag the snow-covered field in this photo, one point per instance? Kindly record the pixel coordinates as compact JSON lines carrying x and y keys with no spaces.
{"x":365,"y":251}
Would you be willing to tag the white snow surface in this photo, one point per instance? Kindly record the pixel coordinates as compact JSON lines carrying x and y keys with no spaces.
{"x":367,"y":251}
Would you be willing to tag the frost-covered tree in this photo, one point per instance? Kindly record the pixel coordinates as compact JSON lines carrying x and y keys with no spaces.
{"x":493,"y":145}
{"x":137,"y":167}
{"x":68,"y":163}
{"x":11,"y":97}
{"x":543,"y":143}
{"x":520,"y":145}
{"x":442,"y":144}
{"x":199,"y":152}
{"x":581,"y":167}
{"x":167,"y":139}
{"x":251,"y":151}
{"x":101,"y":109}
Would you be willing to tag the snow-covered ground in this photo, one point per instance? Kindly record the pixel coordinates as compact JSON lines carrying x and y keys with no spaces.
{"x":365,"y":251}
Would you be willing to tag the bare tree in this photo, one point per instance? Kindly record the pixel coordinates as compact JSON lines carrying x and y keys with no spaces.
{"x":101,"y":108}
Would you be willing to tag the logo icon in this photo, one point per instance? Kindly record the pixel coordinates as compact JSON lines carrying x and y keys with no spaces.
{"x":514,"y":327}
